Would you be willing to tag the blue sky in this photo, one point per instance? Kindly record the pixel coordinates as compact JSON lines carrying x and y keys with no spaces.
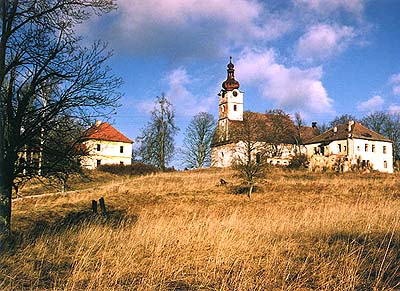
{"x":321,"y":58}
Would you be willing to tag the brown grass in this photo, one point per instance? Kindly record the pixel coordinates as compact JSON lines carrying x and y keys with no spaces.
{"x":181,"y":231}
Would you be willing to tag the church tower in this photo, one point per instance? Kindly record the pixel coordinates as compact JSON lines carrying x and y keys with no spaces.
{"x":230,"y":103}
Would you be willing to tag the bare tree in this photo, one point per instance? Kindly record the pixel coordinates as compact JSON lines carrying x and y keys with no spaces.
{"x":251,"y":154}
{"x":197,"y":141}
{"x":342,"y":119}
{"x":298,"y":123}
{"x":279,"y":129}
{"x":157,"y":138}
{"x":44,"y":74}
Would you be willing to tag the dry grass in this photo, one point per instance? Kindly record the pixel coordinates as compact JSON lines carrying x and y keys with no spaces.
{"x":181,"y":231}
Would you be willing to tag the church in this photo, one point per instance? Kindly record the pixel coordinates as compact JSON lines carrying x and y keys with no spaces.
{"x":279,"y":131}
{"x":342,"y":148}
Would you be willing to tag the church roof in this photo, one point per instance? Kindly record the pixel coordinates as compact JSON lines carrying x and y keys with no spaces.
{"x":340,"y":132}
{"x":274,"y":128}
{"x":105,"y":131}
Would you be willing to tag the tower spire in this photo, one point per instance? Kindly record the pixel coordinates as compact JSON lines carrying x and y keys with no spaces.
{"x":230,"y":83}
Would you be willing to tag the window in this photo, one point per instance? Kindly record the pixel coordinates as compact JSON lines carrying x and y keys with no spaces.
{"x":385,"y":164}
{"x":98,"y":147}
{"x":235,"y":107}
{"x":358,"y":148}
{"x":258,"y":158}
{"x":373,"y":148}
{"x":121,"y":149}
{"x":384,"y":149}
{"x":366,"y":147}
{"x":121,"y":163}
{"x":98,"y":162}
{"x":339,"y":148}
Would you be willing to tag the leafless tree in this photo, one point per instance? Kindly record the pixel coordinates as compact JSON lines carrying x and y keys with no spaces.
{"x":157,"y":138}
{"x":250,"y":156}
{"x":45,"y":74}
{"x":279,"y":129}
{"x":197,"y":142}
{"x":342,"y":119}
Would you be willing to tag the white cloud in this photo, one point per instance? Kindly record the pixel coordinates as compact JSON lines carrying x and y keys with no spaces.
{"x":328,"y":6}
{"x":187,"y":28}
{"x":290,"y":88}
{"x":323,"y":41}
{"x":394,"y":80}
{"x":375,"y":103}
{"x":394,"y":108}
{"x":184,"y":101}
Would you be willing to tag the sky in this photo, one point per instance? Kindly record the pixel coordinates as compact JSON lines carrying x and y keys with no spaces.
{"x":321,"y":58}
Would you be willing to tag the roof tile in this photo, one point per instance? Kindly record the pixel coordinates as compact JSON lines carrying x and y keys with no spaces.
{"x":105,"y":131}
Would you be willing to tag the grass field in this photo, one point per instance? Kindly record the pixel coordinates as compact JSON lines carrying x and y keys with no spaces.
{"x":183,"y":231}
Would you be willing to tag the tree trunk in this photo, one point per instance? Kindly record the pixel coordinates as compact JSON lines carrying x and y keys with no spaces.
{"x":5,"y":206}
{"x":250,"y":190}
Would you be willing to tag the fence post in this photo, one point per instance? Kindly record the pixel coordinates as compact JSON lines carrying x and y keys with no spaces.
{"x":94,"y":206}
{"x":103,"y":206}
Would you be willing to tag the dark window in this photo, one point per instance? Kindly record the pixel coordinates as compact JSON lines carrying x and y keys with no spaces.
{"x":258,"y":158}
{"x":340,"y":148}
{"x":366,"y":147}
{"x":98,"y":162}
{"x":121,"y":162}
{"x":234,"y":107}
{"x":121,"y":149}
{"x":384,"y":149}
{"x":98,"y":147}
{"x":373,"y":148}
{"x":385,"y":164}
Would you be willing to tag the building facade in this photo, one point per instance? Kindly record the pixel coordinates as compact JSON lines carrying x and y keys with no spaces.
{"x":355,"y":145}
{"x":341,"y":148}
{"x":106,"y":145}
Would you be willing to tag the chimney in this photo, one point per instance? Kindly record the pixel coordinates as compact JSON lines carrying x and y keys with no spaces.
{"x":98,"y":122}
{"x":314,"y":124}
{"x":351,"y":122}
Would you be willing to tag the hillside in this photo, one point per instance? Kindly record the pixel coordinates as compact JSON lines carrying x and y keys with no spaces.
{"x":183,"y":231}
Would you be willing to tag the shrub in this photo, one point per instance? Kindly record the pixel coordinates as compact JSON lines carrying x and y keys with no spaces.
{"x":134,"y":169}
{"x":298,"y":161}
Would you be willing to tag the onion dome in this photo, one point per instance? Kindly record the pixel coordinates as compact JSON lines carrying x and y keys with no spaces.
{"x":230,"y":83}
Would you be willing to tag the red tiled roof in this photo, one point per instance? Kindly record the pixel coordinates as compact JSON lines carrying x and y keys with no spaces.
{"x":105,"y":131}
{"x":342,"y":132}
{"x":279,"y":128}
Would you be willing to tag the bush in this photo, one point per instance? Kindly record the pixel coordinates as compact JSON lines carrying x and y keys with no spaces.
{"x":136,"y":169}
{"x":298,"y":161}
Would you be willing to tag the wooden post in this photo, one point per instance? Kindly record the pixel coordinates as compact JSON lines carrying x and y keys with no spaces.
{"x":94,"y":206}
{"x":103,"y":206}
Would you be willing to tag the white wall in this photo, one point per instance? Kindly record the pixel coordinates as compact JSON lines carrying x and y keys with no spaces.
{"x":355,"y":149}
{"x":227,"y":103}
{"x":109,"y":153}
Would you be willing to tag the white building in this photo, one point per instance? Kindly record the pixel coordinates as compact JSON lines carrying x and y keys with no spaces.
{"x":106,"y":145}
{"x":356,"y":144}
